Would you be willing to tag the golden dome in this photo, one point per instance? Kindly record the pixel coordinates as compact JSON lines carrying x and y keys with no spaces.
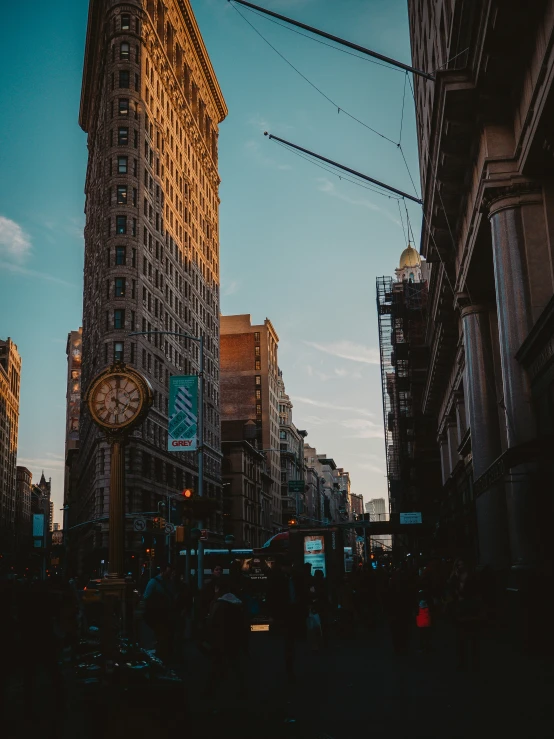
{"x":409,"y":258}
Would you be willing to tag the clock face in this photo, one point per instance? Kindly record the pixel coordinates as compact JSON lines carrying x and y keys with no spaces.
{"x":116,"y":400}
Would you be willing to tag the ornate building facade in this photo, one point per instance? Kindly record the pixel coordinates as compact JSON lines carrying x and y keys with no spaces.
{"x":151,"y":106}
{"x":10,"y":374}
{"x":487,"y":164}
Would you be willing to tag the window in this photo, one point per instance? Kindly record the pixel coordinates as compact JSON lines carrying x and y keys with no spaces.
{"x":120,"y":287}
{"x":118,"y":351}
{"x":258,"y":409}
{"x":258,"y":365}
{"x":124,"y":78}
{"x":121,"y":224}
{"x":257,"y":336}
{"x":258,"y":394}
{"x":122,"y":165}
{"x":124,"y":51}
{"x":120,"y":255}
{"x":258,"y":380}
{"x":135,"y":194}
{"x":119,"y":318}
{"x":123,"y":136}
{"x":125,"y":22}
{"x":257,"y":351}
{"x":122,"y":194}
{"x":282,"y":434}
{"x":123,"y":106}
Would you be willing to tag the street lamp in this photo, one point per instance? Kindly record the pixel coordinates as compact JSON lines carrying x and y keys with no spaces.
{"x":200,"y":451}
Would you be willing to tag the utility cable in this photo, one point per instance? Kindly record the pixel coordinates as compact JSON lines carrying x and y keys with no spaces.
{"x":315,"y":87}
{"x":323,"y":43}
{"x":402,"y":114}
{"x":406,"y":238}
{"x":340,"y":176}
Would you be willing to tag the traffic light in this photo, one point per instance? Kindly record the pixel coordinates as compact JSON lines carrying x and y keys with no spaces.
{"x":180,"y":534}
{"x":188,"y":494}
{"x":293,"y":522}
{"x":161,"y":523}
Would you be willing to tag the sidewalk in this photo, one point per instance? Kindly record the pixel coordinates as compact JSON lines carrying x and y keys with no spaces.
{"x":356,"y":687}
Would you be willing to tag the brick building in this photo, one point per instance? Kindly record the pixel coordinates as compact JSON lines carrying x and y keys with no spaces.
{"x":249,"y":391}
{"x":151,"y":105}
{"x":10,"y":374}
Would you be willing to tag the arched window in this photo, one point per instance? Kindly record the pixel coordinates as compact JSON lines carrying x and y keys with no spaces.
{"x":124,"y":50}
{"x":411,"y":276}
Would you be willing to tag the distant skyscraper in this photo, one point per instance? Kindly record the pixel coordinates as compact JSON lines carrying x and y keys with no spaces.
{"x":10,"y":373}
{"x":151,"y":105}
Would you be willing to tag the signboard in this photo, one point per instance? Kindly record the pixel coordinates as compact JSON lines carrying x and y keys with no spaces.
{"x":314,"y":553}
{"x":38,"y":525}
{"x":183,"y":413}
{"x":139,"y":524}
{"x":410,"y":518}
{"x":169,"y":528}
{"x":296,"y":486}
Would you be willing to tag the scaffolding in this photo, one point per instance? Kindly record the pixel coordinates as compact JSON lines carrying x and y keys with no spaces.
{"x":401,"y":316}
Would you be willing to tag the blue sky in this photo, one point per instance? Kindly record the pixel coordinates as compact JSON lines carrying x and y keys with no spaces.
{"x":298,"y":245}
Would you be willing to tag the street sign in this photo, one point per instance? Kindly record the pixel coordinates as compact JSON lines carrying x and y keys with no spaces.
{"x":410,"y":518}
{"x":360,"y":539}
{"x":139,"y":524}
{"x":296,"y":486}
{"x":169,"y":528}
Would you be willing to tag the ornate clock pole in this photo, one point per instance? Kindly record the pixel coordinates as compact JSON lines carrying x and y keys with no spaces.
{"x":118,"y":399}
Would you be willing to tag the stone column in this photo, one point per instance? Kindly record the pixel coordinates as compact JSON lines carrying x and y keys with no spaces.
{"x":519,"y":239}
{"x":481,"y":405}
{"x":453,"y":443}
{"x":445,"y":459}
{"x":117,"y":511}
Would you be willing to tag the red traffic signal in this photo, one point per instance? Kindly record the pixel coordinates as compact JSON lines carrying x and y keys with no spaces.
{"x":187,"y":493}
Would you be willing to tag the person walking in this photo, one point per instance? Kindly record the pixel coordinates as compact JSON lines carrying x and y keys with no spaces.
{"x":228,"y":636}
{"x":160,"y":611}
{"x":289,"y":607}
{"x":469,"y":614}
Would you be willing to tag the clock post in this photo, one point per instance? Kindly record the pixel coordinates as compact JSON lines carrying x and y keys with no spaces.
{"x":118,"y":399}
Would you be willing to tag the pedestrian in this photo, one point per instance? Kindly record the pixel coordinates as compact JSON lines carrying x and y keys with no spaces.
{"x":399,"y":608}
{"x":289,"y":607}
{"x":319,"y":604}
{"x":215,"y":587}
{"x":347,"y":606}
{"x":469,"y":613}
{"x":160,"y":611}
{"x":424,"y":623}
{"x":228,"y":636}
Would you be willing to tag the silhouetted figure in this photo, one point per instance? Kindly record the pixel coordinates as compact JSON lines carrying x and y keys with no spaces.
{"x":469,"y":612}
{"x":399,"y":608}
{"x":160,"y":611}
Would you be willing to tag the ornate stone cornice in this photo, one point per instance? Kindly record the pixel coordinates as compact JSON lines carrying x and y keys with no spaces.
{"x":513,"y":195}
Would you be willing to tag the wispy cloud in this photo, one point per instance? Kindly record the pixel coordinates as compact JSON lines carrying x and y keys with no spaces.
{"x":18,"y":269}
{"x":364,"y":428}
{"x":373,"y":468}
{"x":254,"y":150}
{"x":15,"y":244}
{"x":231,"y":288}
{"x":325,"y":185}
{"x":348,"y":350}
{"x":48,"y":462}
{"x":330,"y":406}
{"x":354,"y":375}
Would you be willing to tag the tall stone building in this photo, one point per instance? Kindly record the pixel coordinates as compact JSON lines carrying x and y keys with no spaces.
{"x":293,"y":467}
{"x":249,"y":389}
{"x":486,"y":152}
{"x":10,"y":373}
{"x":151,"y":105}
{"x":23,"y":541}
{"x":73,"y":413}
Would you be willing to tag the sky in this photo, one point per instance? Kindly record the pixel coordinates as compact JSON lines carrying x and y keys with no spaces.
{"x":298,"y":244}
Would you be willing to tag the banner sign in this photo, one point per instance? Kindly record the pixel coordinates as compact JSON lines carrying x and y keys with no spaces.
{"x":183,"y":413}
{"x":410,"y":518}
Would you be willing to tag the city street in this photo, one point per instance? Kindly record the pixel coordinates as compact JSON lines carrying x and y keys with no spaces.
{"x":356,"y":686}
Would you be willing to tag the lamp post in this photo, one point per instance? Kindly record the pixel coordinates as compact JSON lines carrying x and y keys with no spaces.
{"x":200,"y":451}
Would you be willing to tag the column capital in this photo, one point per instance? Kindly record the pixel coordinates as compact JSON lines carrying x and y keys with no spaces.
{"x":513,"y":195}
{"x":472,"y":308}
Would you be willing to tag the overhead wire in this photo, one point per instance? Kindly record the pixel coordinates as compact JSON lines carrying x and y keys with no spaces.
{"x":323,"y":43}
{"x":315,"y":87}
{"x":340,"y":176}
